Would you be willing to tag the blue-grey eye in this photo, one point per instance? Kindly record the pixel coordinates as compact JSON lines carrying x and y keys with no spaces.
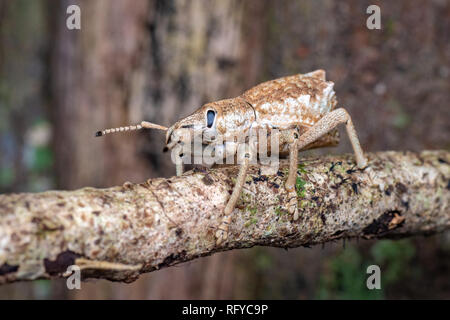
{"x":210,"y":118}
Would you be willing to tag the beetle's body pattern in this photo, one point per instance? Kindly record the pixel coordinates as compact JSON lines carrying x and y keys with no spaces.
{"x":299,"y":100}
{"x":300,"y":109}
{"x":285,"y":102}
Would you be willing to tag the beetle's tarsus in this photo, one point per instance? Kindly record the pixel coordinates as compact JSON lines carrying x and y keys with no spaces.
{"x":222,"y":230}
{"x":293,"y":204}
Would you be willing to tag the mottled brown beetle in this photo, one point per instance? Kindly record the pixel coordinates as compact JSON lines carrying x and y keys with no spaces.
{"x":300,"y":107}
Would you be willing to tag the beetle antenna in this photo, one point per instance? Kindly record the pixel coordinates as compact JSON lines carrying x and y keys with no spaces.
{"x":142,"y":125}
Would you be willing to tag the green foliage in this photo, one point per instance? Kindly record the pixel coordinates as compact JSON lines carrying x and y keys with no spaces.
{"x":401,"y":118}
{"x":345,"y":274}
{"x":263,"y":260}
{"x":43,"y":159}
{"x":390,"y":27}
{"x":42,"y":289}
{"x":6,"y":176}
{"x":395,"y":256}
{"x":346,"y":278}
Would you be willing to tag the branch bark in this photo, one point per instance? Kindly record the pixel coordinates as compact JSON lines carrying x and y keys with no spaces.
{"x":121,"y":232}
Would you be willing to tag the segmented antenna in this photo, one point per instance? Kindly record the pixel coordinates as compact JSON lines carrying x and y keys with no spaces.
{"x":142,"y":125}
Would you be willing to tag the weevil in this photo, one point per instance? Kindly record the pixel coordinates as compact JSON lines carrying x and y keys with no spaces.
{"x":302,"y":110}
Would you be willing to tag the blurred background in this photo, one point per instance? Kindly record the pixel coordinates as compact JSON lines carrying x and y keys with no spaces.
{"x":159,"y":60}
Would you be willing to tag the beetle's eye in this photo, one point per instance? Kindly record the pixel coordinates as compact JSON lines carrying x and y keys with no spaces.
{"x":210,"y":118}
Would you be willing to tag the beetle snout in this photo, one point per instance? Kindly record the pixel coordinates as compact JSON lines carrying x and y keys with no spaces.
{"x":176,"y":136}
{"x":171,"y":140}
{"x":168,"y":139}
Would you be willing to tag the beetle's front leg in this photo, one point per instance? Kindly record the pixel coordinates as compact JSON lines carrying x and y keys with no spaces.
{"x":291,"y":137}
{"x":222,"y":232}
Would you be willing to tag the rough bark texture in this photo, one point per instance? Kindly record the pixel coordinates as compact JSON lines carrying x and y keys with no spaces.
{"x":120,"y":232}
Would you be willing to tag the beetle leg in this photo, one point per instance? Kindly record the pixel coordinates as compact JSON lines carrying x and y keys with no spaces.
{"x":222,"y":232}
{"x":292,"y":138}
{"x":179,"y":168}
{"x":177,"y":152}
{"x":328,"y":123}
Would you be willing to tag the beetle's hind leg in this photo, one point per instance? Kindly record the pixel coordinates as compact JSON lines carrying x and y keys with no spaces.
{"x":329,"y":122}
{"x":321,"y":127}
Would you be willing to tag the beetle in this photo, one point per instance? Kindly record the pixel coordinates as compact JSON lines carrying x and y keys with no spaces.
{"x":301,"y":109}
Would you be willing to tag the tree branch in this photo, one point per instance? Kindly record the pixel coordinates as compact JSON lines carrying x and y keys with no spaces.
{"x":121,"y":232}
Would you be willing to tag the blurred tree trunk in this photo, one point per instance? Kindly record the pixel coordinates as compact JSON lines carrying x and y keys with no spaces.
{"x":94,"y":83}
{"x":135,"y":60}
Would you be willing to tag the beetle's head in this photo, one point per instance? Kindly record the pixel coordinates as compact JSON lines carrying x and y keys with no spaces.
{"x":220,"y":120}
{"x":213,"y":124}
